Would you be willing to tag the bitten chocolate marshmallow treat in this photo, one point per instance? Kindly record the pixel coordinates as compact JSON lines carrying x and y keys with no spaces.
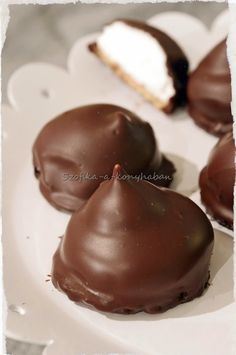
{"x":147,"y":59}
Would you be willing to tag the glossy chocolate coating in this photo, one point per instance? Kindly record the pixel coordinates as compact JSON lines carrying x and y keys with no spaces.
{"x":177,"y":62}
{"x":209,"y":92}
{"x":134,"y":247}
{"x":90,"y":140}
{"x":217,"y":181}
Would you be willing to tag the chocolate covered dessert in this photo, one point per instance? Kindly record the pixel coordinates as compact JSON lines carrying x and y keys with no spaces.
{"x":77,"y":150}
{"x":146,"y":59}
{"x":209,"y":92}
{"x":217,"y":181}
{"x":134,"y":247}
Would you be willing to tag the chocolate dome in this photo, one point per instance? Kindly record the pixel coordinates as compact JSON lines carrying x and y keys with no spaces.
{"x":78,"y":149}
{"x":209,"y":92}
{"x":134,"y":247}
{"x":217,"y":181}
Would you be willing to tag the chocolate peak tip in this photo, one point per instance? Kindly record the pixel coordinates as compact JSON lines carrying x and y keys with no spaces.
{"x":123,"y":116}
{"x":116,"y":170}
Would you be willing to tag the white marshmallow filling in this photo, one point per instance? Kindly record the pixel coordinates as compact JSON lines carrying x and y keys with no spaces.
{"x":140,"y":56}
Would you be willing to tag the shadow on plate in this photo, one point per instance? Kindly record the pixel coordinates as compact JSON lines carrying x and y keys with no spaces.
{"x":186,"y":176}
{"x":181,"y":114}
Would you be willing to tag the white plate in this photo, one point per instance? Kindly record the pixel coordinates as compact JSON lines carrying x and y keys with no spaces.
{"x":38,"y":312}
